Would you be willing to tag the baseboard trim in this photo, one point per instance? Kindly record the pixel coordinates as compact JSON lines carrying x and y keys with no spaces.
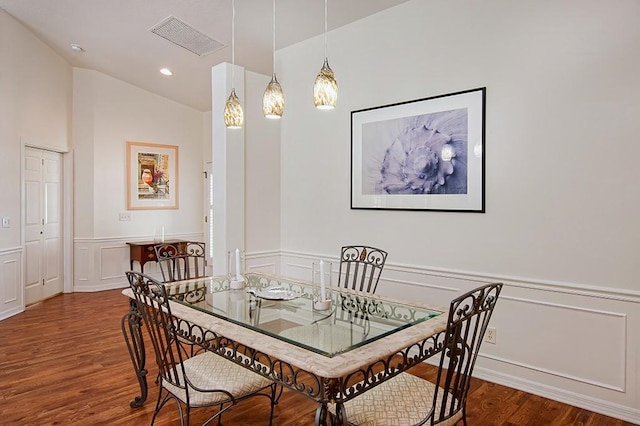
{"x":11,"y":312}
{"x":597,"y":405}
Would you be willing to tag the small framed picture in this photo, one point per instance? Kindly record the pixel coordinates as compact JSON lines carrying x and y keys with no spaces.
{"x":152,"y":176}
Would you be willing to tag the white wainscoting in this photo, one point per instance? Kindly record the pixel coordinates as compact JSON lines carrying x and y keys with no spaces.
{"x":101,"y":263}
{"x":11,"y":293}
{"x":267,"y":262}
{"x":571,"y":343}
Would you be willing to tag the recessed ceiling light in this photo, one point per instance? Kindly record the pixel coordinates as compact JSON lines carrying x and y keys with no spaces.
{"x":77,"y":48}
{"x":166,"y":71}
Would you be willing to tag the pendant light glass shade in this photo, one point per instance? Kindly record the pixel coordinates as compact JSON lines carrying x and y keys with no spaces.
{"x":233,"y":115}
{"x":325,"y":89}
{"x":273,"y":99}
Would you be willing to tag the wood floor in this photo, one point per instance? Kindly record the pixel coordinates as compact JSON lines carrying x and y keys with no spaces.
{"x":64,"y":362}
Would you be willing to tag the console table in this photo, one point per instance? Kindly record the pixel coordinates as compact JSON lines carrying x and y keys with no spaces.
{"x":143,"y":252}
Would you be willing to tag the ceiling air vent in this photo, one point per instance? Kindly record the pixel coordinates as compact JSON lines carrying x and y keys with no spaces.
{"x":185,"y":36}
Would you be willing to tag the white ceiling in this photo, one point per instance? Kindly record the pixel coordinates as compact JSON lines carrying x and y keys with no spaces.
{"x":116,"y":37}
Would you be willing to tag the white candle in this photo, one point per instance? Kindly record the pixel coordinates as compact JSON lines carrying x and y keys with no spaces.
{"x":238,"y":264}
{"x":162,"y":238}
{"x":323,"y":290}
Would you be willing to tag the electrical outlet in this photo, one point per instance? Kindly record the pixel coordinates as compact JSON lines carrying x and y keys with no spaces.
{"x":125,"y":217}
{"x":6,"y":222}
{"x":490,"y":335}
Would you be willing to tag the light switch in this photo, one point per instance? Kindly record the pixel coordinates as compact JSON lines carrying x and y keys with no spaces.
{"x":6,"y":222}
{"x":125,"y":217}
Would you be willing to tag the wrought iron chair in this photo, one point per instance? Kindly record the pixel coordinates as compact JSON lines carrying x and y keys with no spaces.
{"x":409,"y":400}
{"x":172,"y":262}
{"x":204,"y":380}
{"x":360,"y":267}
{"x":196,"y":259}
{"x":181,"y":261}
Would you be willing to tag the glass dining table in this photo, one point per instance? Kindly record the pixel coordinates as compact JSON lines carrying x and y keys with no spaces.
{"x":330,"y":355}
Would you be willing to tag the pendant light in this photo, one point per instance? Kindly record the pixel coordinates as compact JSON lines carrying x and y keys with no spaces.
{"x":325,"y":89}
{"x":233,"y":115}
{"x":273,"y":99}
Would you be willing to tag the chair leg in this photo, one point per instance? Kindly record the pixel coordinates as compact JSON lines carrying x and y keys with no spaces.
{"x":277,"y":398}
{"x":159,"y":404}
{"x":220,"y":416}
{"x":274,"y":387}
{"x":131,"y":325}
{"x":281,"y":386}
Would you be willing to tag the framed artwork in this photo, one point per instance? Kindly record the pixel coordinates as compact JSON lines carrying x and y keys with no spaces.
{"x":426,"y":154}
{"x":152,"y":176}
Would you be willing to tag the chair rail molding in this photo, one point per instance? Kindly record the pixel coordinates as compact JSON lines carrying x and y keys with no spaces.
{"x":125,"y":239}
{"x":10,"y":250}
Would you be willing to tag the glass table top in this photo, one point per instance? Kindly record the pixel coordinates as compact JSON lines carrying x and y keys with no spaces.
{"x":285,"y":309}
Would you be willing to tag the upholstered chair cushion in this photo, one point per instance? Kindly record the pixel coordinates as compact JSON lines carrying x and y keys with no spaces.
{"x":210,"y":371}
{"x":401,"y":401}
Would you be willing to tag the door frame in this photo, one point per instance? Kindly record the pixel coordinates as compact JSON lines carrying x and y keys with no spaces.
{"x":67,"y":213}
{"x":208,"y":213}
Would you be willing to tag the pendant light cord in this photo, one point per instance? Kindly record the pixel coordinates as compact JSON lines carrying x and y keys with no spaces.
{"x":233,"y":41}
{"x":274,"y":37}
{"x":325,"y":28}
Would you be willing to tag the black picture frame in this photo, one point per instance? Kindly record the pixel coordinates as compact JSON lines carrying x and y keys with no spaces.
{"x":424,"y":154}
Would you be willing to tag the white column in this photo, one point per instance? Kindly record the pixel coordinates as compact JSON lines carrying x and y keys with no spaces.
{"x":228,"y":168}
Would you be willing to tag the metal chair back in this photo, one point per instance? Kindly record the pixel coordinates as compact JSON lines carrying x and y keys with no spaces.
{"x":195,"y":253}
{"x":209,"y":383}
{"x":172,"y":262}
{"x":153,"y":304}
{"x":360,"y":267}
{"x":469,"y":316}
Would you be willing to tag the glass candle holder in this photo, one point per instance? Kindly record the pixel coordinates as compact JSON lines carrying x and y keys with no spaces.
{"x":235,"y":268}
{"x":158,"y":234}
{"x":321,"y":279}
{"x":237,"y":305}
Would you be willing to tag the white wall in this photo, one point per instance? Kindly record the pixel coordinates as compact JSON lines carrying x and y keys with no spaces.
{"x":561,"y":90}
{"x":107,"y":114}
{"x":35,"y":109}
{"x":262,"y":177}
{"x":560,"y":227}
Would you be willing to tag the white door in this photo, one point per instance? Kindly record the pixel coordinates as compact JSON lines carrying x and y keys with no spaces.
{"x":43,"y":224}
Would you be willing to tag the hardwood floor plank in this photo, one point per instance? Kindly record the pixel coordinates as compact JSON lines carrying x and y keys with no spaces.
{"x":64,"y":362}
